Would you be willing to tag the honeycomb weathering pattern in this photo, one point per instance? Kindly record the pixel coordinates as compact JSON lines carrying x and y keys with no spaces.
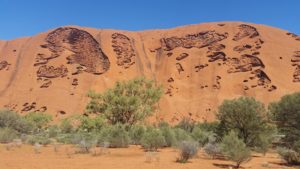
{"x":199,"y":40}
{"x":86,"y":49}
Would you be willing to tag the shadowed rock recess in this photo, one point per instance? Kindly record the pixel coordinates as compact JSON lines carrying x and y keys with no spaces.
{"x":198,"y":66}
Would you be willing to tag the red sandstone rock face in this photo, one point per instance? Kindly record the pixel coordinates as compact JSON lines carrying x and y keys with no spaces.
{"x":199,"y":40}
{"x":86,"y":49}
{"x":199,"y":66}
{"x":124,"y":50}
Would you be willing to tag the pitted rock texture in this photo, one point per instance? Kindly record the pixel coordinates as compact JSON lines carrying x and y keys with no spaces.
{"x":86,"y":49}
{"x":244,"y":63}
{"x":123,"y":49}
{"x":52,"y":72}
{"x":4,"y":65}
{"x":296,"y":63}
{"x":246,"y":31}
{"x":182,"y":56}
{"x":217,"y":56}
{"x":199,"y":40}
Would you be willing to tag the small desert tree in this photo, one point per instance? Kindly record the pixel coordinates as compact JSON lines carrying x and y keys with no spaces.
{"x":127,"y":102}
{"x":286,"y":114}
{"x":247,"y":117}
{"x":235,"y":149}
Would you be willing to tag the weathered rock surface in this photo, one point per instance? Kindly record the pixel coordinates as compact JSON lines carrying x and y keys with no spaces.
{"x":198,"y":66}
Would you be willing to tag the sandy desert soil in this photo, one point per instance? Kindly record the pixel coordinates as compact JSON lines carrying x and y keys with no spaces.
{"x":123,"y":158}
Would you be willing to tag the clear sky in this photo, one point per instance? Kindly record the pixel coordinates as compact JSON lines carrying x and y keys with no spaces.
{"x":20,"y":18}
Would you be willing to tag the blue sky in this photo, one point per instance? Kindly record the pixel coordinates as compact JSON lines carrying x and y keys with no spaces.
{"x":20,"y":18}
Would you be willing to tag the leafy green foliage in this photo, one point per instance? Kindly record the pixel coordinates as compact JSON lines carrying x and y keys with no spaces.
{"x":136,"y":133}
{"x":127,"y":102}
{"x":235,"y":149}
{"x":9,"y":119}
{"x":181,"y":135}
{"x":246,"y":116}
{"x":286,"y":114}
{"x":290,"y":156}
{"x":169,"y":135}
{"x":119,"y":137}
{"x":188,"y":149}
{"x":38,"y":120}
{"x":201,"y":136}
{"x":7,"y":135}
{"x":153,"y":139}
{"x":66,"y":126}
{"x":91,"y":124}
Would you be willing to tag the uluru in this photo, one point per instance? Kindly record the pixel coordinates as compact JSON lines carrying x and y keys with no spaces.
{"x":198,"y":66}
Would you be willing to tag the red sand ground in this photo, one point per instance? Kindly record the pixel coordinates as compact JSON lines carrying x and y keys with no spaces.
{"x":124,"y":158}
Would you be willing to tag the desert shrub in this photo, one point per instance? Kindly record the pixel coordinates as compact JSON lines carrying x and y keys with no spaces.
{"x":186,"y":124}
{"x":246,"y":116}
{"x":169,"y":136}
{"x":119,"y":137}
{"x":65,"y":138}
{"x":290,"y":156}
{"x":188,"y":149}
{"x":181,"y":135}
{"x":53,"y":131}
{"x":286,"y":114}
{"x":91,"y":124}
{"x":38,"y":139}
{"x":235,"y":149}
{"x":201,"y":136}
{"x":153,"y":139}
{"x":127,"y":102}
{"x":38,"y":120}
{"x":85,"y":145}
{"x":136,"y":133}
{"x":7,"y":135}
{"x":9,"y":119}
{"x":66,"y":126}
{"x":212,"y":148}
{"x":208,"y":126}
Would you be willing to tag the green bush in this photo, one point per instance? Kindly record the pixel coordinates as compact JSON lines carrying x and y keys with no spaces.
{"x":153,"y":139}
{"x":181,"y":135}
{"x":188,"y":149}
{"x":53,"y":131}
{"x":38,"y":120}
{"x":91,"y":124}
{"x":66,"y":126}
{"x":136,"y":133}
{"x":169,"y":135}
{"x":127,"y":102}
{"x":201,"y":136}
{"x":290,"y":156}
{"x":119,"y":137}
{"x":235,"y":149}
{"x":9,"y":119}
{"x":7,"y":135}
{"x":38,"y":139}
{"x":246,"y":116}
